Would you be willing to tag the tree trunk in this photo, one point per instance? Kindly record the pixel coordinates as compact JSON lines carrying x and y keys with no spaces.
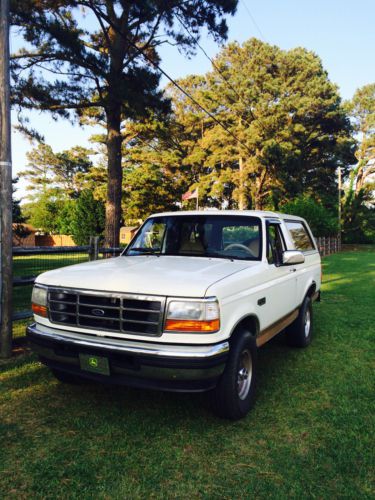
{"x":259,"y":190}
{"x":114,"y":186}
{"x":258,"y":205}
{"x":241,"y":197}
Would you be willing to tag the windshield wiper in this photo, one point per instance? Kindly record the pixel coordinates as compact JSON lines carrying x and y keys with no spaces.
{"x":145,"y":250}
{"x":218,"y":255}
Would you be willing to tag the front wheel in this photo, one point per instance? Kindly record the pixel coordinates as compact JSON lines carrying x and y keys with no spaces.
{"x":234,"y":395}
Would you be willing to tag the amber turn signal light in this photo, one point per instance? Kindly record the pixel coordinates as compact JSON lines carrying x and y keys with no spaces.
{"x":187,"y":325}
{"x":39,"y":310}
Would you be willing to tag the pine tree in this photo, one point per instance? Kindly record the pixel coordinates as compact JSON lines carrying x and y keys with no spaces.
{"x":57,"y":174}
{"x":287,"y":131}
{"x":287,"y":116}
{"x":362,"y":112}
{"x":71,"y":68}
{"x":17,"y":216}
{"x":359,"y":199}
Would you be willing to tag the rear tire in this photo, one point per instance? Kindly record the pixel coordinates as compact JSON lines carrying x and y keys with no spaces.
{"x":299,"y":333}
{"x":65,"y":377}
{"x":234,"y":395}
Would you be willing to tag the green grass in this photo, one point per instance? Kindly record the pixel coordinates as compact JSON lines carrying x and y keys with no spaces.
{"x":309,"y":435}
{"x":31,"y":265}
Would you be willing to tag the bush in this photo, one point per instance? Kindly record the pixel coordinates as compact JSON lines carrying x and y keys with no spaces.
{"x":320,"y":219}
{"x":87,"y":218}
{"x":43,"y":212}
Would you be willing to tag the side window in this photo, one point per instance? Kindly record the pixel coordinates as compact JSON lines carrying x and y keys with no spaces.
{"x":275,"y":244}
{"x":300,"y":236}
{"x":152,"y":236}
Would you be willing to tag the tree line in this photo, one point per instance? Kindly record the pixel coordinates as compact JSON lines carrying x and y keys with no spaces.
{"x":265,"y":128}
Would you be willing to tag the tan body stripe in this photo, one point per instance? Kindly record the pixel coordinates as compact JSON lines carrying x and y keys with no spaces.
{"x":275,"y":328}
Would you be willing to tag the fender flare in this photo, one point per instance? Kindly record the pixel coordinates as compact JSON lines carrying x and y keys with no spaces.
{"x":309,"y":290}
{"x":246,"y":317}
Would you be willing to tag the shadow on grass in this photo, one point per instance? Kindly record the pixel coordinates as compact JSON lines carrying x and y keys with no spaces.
{"x":74,"y":403}
{"x":313,"y":414}
{"x":276,"y":360}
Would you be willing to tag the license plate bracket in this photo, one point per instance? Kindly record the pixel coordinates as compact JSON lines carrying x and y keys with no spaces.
{"x":94,"y":364}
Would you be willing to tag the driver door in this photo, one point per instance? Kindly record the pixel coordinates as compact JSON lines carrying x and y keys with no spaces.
{"x":280,"y":280}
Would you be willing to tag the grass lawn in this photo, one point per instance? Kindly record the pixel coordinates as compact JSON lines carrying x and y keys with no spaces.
{"x":31,"y":265}
{"x":311,"y":433}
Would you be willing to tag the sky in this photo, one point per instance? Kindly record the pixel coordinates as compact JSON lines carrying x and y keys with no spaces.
{"x":340,"y":32}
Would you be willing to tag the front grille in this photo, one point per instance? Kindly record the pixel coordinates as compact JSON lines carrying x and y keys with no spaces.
{"x":112,"y":312}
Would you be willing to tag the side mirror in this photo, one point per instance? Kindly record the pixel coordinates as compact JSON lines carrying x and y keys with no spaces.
{"x":291,"y":257}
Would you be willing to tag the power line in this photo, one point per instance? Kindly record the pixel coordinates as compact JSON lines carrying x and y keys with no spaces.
{"x":253,"y":19}
{"x":196,"y":41}
{"x":216,"y":67}
{"x":225,"y":78}
{"x":163,"y":72}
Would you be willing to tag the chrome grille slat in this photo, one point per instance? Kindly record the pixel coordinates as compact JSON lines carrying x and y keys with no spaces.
{"x":64,"y":313}
{"x":65,"y":302}
{"x":139,"y":310}
{"x":99,"y":318}
{"x":120,"y":318}
{"x":85,"y":304}
{"x":138,"y":321}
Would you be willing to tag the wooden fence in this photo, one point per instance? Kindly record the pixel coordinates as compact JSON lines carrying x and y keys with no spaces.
{"x":328,"y":245}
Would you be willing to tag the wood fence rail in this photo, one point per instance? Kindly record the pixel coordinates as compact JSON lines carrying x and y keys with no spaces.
{"x":328,"y":245}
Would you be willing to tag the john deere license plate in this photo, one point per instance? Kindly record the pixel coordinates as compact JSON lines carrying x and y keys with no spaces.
{"x":94,"y":364}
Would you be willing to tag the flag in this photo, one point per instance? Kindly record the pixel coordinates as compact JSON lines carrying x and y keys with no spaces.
{"x":190,"y":195}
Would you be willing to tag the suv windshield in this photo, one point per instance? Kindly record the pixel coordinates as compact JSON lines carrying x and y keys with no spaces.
{"x":225,"y":236}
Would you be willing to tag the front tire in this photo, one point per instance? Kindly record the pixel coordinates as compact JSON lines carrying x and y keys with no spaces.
{"x":299,"y":333}
{"x":234,"y":395}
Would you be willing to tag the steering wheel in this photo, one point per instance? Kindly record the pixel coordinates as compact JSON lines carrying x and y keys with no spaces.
{"x":239,"y":245}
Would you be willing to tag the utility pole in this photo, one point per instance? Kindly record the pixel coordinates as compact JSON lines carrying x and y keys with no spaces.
{"x":6,"y":282}
{"x":339,"y":187}
{"x":339,"y":211}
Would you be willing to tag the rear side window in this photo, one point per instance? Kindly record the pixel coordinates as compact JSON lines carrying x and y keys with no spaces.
{"x":300,"y":236}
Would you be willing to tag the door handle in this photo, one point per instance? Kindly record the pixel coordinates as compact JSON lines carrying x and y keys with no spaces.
{"x":293,"y":270}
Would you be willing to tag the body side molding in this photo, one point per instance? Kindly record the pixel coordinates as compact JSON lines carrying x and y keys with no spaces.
{"x":269,"y":332}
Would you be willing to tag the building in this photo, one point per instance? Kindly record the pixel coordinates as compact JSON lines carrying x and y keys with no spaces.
{"x":25,"y":235}
{"x":127,"y":233}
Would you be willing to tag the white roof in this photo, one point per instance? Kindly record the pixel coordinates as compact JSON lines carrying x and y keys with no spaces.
{"x":253,"y":213}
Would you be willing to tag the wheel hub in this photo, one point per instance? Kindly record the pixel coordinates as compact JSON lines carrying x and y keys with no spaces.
{"x":307,"y":323}
{"x":244,"y":374}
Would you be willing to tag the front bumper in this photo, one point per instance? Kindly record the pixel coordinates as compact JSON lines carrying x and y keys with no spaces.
{"x":179,"y":368}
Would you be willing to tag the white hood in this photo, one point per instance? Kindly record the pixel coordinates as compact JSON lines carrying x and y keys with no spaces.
{"x":146,"y":274}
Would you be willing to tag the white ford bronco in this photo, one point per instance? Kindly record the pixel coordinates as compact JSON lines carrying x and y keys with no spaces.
{"x":185,"y":307}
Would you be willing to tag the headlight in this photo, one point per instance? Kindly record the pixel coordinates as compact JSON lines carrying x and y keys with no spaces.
{"x":193,"y":316}
{"x":39,"y":301}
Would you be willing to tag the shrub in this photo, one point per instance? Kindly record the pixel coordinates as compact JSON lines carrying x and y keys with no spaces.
{"x":87,"y":218}
{"x":320,"y":219}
